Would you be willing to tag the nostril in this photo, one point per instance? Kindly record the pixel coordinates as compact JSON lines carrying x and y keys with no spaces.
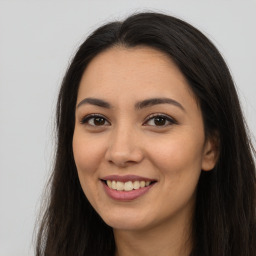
{"x":124,"y":155}
{"x":121,"y":163}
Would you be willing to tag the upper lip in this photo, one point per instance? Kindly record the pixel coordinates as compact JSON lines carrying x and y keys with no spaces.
{"x":126,"y":178}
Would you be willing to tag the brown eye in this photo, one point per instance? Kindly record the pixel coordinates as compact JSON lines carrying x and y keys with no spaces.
{"x":95,"y":120}
{"x":98,"y":121}
{"x":160,"y":120}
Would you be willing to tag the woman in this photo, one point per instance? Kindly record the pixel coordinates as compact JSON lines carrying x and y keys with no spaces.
{"x":153,"y":156}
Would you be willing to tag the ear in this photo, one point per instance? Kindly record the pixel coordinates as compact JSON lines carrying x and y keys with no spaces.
{"x":210,"y":153}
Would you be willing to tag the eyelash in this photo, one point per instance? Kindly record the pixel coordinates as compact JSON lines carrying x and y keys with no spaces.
{"x":165,"y":117}
{"x":86,"y":119}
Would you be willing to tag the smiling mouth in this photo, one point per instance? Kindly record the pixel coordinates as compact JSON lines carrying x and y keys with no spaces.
{"x":128,"y":185}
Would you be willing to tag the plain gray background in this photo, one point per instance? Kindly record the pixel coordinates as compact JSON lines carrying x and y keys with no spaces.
{"x":37,"y":40}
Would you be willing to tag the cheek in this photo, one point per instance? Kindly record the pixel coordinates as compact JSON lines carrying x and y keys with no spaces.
{"x":88,"y":153}
{"x":178,"y":158}
{"x":179,"y":166}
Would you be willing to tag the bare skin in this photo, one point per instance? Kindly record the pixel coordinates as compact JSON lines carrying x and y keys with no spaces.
{"x":120,"y":130}
{"x":170,"y":240}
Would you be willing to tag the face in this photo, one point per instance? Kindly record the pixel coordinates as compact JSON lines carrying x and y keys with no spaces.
{"x":138,"y":143}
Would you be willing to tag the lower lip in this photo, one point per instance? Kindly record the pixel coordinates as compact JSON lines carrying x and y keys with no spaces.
{"x":126,"y":195}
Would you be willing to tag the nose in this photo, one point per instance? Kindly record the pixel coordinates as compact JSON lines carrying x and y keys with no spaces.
{"x":124,"y":148}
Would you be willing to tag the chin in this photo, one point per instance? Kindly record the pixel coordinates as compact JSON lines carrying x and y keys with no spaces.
{"x":125,"y":221}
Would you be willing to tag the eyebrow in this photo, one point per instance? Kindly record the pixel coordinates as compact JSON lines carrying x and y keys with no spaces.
{"x":157,"y":101}
{"x":94,"y":101}
{"x":139,"y":105}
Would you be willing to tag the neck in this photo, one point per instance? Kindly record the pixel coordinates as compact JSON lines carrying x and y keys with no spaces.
{"x":171,"y":238}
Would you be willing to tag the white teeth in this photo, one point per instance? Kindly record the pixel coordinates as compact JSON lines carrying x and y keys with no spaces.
{"x":136,"y":184}
{"x":119,"y":185}
{"x":142,"y":184}
{"x":109,"y":183}
{"x":127,"y":186}
{"x":113,"y":184}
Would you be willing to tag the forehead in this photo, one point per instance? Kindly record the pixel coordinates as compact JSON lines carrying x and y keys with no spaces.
{"x":138,"y":71}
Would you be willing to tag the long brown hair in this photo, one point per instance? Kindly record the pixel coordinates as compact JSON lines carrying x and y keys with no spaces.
{"x":225,"y":215}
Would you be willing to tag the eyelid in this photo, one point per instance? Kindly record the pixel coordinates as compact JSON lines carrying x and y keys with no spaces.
{"x":167,"y":117}
{"x":86,"y":118}
{"x":170,"y":119}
